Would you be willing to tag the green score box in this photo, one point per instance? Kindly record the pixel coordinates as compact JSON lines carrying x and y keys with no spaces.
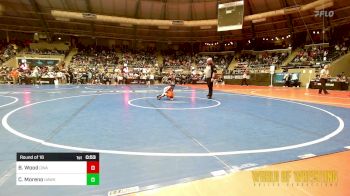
{"x":92,"y":179}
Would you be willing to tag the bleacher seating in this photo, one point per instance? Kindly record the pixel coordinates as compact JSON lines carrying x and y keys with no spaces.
{"x":259,"y":62}
{"x":314,"y":57}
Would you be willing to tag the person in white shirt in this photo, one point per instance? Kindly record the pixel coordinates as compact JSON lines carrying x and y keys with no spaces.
{"x":324,"y":75}
{"x":35,"y":75}
{"x":245,"y":77}
{"x":151,"y":78}
{"x":59,"y":75}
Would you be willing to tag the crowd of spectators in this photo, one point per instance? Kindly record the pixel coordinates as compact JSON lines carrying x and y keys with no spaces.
{"x":96,"y":65}
{"x":7,"y":51}
{"x":258,"y":63}
{"x":90,"y":57}
{"x":263,"y":59}
{"x":44,"y":52}
{"x":92,"y":66}
{"x":132,"y":66}
{"x":4,"y":73}
{"x":139,"y":59}
{"x":107,"y":66}
{"x":30,"y":75}
{"x":341,"y":49}
{"x":316,"y":56}
{"x":221,"y":61}
{"x":312,"y":55}
{"x":101,"y":65}
{"x":186,"y":61}
{"x":176,"y":59}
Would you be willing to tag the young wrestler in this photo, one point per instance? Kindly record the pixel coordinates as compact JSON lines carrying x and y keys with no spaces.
{"x":168,"y":91}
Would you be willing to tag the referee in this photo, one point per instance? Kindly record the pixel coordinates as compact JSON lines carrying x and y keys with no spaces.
{"x":324,"y":75}
{"x":210,"y":72}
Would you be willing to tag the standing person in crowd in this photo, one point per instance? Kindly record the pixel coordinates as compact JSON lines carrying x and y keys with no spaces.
{"x":14,"y":75}
{"x":125,"y":72}
{"x":324,"y":75}
{"x":35,"y":75}
{"x":71,"y":76}
{"x":151,"y":78}
{"x":172,"y":78}
{"x":286,"y":79}
{"x":245,"y":77}
{"x":210,"y":72}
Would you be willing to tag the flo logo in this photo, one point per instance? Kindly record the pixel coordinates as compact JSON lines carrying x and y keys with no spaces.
{"x":323,"y":13}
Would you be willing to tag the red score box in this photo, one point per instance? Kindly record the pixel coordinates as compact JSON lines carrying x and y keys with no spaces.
{"x":93,"y":167}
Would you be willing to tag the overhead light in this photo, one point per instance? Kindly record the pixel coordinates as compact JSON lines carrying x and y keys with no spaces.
{"x":205,"y":27}
{"x":259,"y":20}
{"x":324,"y":6}
{"x":1,"y":8}
{"x":132,"y":21}
{"x":291,"y":10}
{"x":125,"y":25}
{"x":59,"y":38}
{"x":62,"y":19}
{"x":163,"y":27}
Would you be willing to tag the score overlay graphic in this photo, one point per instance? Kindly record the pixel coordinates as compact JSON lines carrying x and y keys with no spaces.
{"x":57,"y":169}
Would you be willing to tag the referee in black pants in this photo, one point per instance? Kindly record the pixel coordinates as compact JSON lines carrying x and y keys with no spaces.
{"x":210,"y":72}
{"x":324,"y":74}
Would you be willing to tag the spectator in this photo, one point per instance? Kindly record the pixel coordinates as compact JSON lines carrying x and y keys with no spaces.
{"x":14,"y":75}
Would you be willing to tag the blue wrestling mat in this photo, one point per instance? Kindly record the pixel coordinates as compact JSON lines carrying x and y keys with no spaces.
{"x":149,"y":143}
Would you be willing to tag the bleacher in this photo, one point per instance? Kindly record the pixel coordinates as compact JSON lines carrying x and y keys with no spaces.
{"x":259,"y":61}
{"x":221,"y":59}
{"x":7,"y":51}
{"x":98,"y":63}
{"x":314,"y":56}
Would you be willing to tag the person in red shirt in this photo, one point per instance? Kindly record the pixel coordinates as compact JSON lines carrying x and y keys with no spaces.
{"x":14,"y":75}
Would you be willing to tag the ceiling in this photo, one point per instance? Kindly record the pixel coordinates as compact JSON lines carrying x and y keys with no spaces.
{"x":35,"y":16}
